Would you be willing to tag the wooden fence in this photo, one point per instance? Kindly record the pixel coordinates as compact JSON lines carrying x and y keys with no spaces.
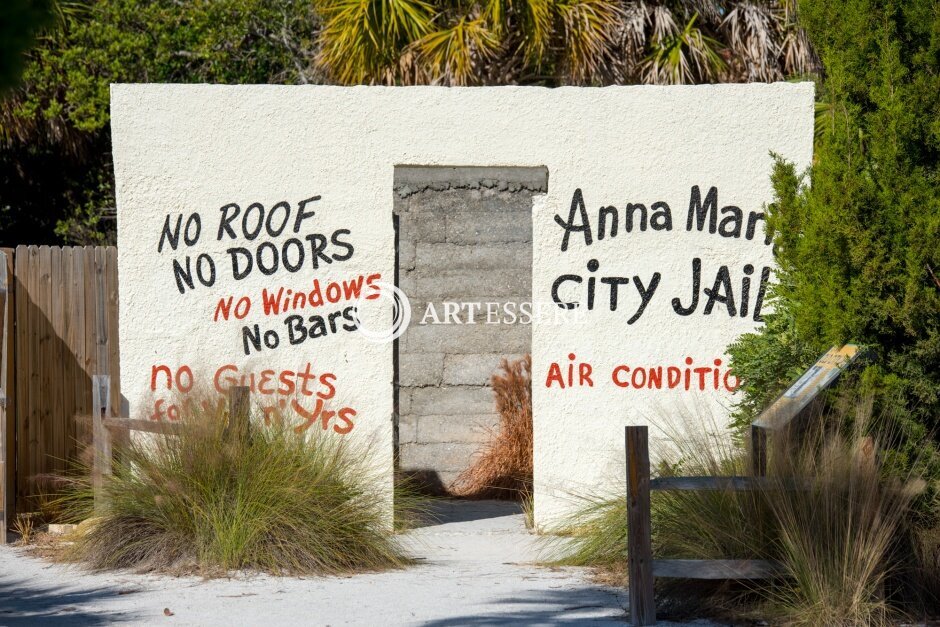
{"x":62,"y":318}
{"x":6,"y":453}
{"x":642,"y":568}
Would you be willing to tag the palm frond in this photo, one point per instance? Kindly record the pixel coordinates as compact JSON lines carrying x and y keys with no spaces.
{"x":753,"y":37}
{"x":663,"y":22}
{"x":590,"y":31}
{"x":537,"y":18}
{"x":822,"y":120}
{"x":689,"y":56}
{"x":452,"y":54}
{"x":362,"y":40}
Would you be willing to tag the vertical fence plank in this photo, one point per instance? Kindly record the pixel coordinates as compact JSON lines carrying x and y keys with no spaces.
{"x":45,"y":447}
{"x":5,"y":432}
{"x":33,"y":418}
{"x":56,"y":447}
{"x":114,"y":358}
{"x":23,"y":367}
{"x":68,"y":358}
{"x":639,"y":537}
{"x":758,"y":451}
{"x":101,"y":466}
{"x":9,"y":383}
{"x":81,"y":383}
{"x":90,"y":363}
{"x":101,"y":312}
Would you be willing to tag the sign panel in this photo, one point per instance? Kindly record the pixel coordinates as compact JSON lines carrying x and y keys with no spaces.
{"x":253,"y":219}
{"x":798,"y":396}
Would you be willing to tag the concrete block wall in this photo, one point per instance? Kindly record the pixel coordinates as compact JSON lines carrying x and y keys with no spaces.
{"x":464,"y":236}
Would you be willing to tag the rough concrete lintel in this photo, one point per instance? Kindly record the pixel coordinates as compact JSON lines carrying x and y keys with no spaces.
{"x":413,"y":179}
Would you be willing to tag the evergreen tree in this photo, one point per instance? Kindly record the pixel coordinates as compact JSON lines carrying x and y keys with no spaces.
{"x":857,"y":238}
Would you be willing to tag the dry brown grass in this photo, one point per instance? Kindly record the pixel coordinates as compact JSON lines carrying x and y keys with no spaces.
{"x":24,"y":525}
{"x":503,"y":468}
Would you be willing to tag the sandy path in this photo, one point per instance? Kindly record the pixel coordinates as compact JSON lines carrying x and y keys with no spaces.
{"x":477,"y":571}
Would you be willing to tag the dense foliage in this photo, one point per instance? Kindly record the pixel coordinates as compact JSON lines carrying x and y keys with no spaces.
{"x":844,"y":541}
{"x":55,"y":155}
{"x":56,"y":181}
{"x":552,"y":42}
{"x":857,"y":238}
{"x":20,"y":22}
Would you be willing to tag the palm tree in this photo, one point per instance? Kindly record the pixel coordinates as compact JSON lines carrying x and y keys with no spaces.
{"x":465,"y":42}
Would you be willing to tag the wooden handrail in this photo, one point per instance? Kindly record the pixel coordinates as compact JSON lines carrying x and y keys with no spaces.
{"x":147,"y":426}
{"x":736,"y":484}
{"x":716,"y":569}
{"x":643,"y":569}
{"x":103,"y":423}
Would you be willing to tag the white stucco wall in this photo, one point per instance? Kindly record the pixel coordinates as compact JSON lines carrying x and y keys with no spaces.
{"x":180,"y":149}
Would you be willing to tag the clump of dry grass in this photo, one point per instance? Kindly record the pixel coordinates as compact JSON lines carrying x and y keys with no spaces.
{"x":503,"y":469}
{"x":209,"y":501}
{"x":24,"y":525}
{"x":839,"y":538}
{"x":832,"y":513}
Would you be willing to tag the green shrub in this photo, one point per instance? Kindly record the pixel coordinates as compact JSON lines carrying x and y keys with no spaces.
{"x":857,"y":238}
{"x":836,"y":540}
{"x":209,"y":502}
{"x":596,"y":535}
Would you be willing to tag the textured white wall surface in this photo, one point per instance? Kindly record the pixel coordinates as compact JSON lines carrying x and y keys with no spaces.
{"x":193,"y":149}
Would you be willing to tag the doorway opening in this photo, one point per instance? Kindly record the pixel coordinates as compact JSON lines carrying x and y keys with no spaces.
{"x":463,"y":241}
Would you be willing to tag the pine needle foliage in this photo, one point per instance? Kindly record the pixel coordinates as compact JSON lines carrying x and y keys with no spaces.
{"x":857,"y":237}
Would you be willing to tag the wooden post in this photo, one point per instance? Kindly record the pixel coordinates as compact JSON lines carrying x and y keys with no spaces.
{"x":3,"y":468}
{"x":4,"y":347}
{"x":639,"y":537}
{"x":239,"y":411}
{"x":101,"y":409}
{"x":758,"y":451}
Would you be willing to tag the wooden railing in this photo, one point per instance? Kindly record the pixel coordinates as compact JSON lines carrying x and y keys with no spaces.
{"x":105,"y":427}
{"x":791,"y":404}
{"x":642,"y":568}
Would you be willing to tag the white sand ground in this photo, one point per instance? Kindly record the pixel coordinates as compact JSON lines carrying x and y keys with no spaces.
{"x":478,"y":569}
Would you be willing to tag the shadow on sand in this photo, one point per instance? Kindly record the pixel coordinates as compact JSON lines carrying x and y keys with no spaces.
{"x":577,"y":606}
{"x":444,"y":511}
{"x":25,"y":603}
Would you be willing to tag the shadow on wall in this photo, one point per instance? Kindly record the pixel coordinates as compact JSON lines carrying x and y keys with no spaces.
{"x":423,"y":481}
{"x":25,"y":603}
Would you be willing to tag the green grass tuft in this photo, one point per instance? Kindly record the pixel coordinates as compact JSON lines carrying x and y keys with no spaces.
{"x":208,"y":502}
{"x":847,"y":543}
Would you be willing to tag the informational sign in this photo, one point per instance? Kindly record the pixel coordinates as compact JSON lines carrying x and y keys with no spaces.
{"x":798,"y":396}
{"x":255,"y":225}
